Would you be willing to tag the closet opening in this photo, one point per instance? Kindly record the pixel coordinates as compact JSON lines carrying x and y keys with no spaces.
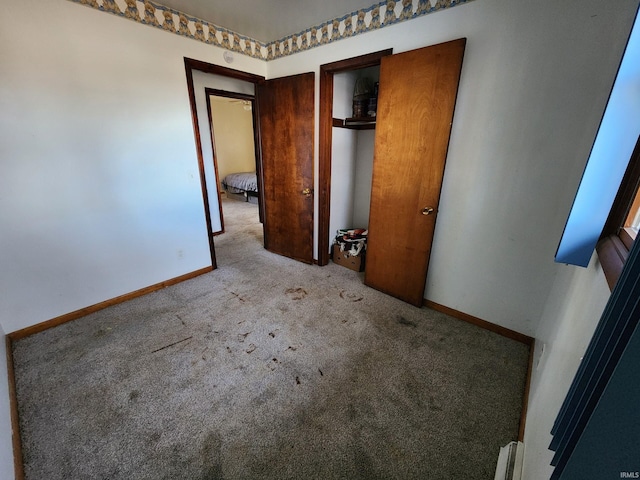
{"x":413,"y":119}
{"x":353,"y":135}
{"x":347,"y":133}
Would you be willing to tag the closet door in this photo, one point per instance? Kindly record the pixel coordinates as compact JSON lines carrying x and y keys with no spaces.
{"x":415,"y":109}
{"x":286,"y":112}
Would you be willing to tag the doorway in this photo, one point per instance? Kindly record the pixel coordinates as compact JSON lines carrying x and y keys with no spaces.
{"x":218,"y":75}
{"x":236,"y":157}
{"x":236,"y":161}
{"x":284,"y":128}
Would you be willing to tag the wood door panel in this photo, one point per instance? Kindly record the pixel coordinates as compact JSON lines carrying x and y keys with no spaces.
{"x":286,"y":108}
{"x":415,"y":109}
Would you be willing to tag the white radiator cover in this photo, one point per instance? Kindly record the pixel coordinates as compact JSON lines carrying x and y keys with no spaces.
{"x":509,"y":466}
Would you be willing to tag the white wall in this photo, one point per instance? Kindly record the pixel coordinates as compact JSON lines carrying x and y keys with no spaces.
{"x":343,"y":157}
{"x":535,"y":81}
{"x":343,"y":153}
{"x":577,"y":300}
{"x":99,"y":185}
{"x":351,"y":170}
{"x":6,"y":446}
{"x":364,"y":163}
{"x":363,"y":177}
{"x":343,"y":85}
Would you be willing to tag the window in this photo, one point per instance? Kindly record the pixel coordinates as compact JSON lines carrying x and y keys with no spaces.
{"x":605,"y":171}
{"x":621,"y":228}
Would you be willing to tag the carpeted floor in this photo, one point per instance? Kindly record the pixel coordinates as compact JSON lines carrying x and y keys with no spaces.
{"x":266,"y":369}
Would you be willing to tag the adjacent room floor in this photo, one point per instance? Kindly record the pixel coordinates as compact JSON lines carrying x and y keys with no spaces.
{"x":269,"y":369}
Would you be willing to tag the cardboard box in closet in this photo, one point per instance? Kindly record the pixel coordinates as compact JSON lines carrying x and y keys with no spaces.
{"x":353,"y":263}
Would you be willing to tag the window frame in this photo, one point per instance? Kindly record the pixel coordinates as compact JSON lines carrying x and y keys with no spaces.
{"x":617,"y":238}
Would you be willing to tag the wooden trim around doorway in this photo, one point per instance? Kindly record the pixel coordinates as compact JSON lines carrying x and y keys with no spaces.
{"x":208,"y":92}
{"x":327,"y":71}
{"x":190,"y":65}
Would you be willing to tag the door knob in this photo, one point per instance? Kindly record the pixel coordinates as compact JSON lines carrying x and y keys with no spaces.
{"x":307,"y":192}
{"x":427,"y":210}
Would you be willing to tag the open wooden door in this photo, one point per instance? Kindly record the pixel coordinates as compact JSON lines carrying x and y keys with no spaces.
{"x":415,"y":109}
{"x":286,"y":110}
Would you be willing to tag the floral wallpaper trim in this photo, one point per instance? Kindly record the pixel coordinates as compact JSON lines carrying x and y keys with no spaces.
{"x":365,"y":20}
{"x":377,"y":16}
{"x":156,"y":15}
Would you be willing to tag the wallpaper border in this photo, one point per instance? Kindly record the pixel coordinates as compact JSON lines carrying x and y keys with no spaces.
{"x":365,"y":20}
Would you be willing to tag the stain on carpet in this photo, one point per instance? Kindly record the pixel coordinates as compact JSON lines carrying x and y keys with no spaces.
{"x":350,"y":296}
{"x":404,"y":321}
{"x":238,"y":296}
{"x":296,"y":293}
{"x":210,"y":457}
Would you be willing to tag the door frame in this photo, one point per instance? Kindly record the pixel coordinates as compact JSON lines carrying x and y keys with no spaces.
{"x":258,"y":158}
{"x":327,"y":71}
{"x":190,"y":65}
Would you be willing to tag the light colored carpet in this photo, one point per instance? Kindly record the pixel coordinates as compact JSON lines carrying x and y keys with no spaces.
{"x":266,"y":369}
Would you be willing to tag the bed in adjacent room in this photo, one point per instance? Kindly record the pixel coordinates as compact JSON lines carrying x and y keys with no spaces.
{"x":242,"y":183}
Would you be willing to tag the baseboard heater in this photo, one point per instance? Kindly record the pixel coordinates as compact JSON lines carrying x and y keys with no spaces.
{"x":509,"y":466}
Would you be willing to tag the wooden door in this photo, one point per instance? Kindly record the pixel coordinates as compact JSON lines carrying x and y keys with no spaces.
{"x":415,"y":109}
{"x":286,"y":110}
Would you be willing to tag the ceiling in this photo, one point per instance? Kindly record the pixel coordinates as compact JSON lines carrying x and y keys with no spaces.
{"x":266,"y":20}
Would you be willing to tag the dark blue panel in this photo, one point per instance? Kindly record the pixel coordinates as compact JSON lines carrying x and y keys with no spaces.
{"x":601,"y":363}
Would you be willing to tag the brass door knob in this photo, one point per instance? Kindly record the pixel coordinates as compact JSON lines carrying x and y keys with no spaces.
{"x":427,"y":210}
{"x":307,"y":192}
